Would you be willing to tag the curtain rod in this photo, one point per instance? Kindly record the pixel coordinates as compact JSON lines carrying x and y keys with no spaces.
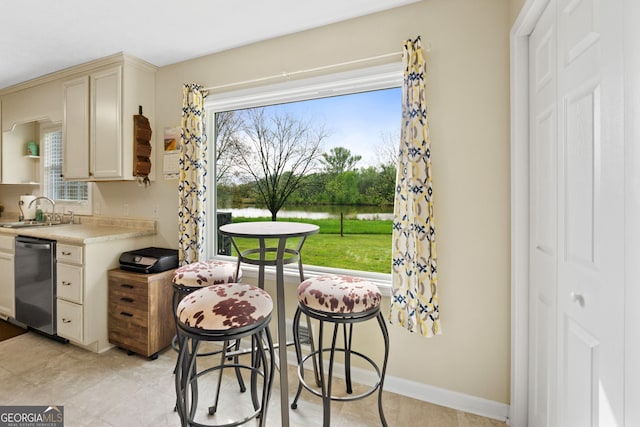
{"x":309,"y":70}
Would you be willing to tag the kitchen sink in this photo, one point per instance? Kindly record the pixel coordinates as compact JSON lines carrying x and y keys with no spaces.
{"x":27,"y":224}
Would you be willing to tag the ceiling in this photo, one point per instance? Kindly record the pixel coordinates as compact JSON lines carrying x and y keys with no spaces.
{"x":41,"y":36}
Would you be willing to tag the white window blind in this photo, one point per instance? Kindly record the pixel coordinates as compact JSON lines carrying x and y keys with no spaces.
{"x":54,"y":186}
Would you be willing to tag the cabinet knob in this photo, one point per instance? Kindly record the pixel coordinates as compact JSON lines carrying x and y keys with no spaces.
{"x":64,"y":320}
{"x":66,"y":283}
{"x":577,"y":298}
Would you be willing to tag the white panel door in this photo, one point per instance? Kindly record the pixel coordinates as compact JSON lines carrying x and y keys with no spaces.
{"x":576,"y":216}
{"x":543,"y":219}
{"x":591,"y":214}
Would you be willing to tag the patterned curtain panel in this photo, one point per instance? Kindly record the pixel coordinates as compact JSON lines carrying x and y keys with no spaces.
{"x":414,"y":301}
{"x":192,"y":186}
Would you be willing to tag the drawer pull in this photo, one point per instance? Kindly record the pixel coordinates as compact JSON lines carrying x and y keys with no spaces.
{"x":124,"y":285}
{"x":66,"y":283}
{"x":126,"y":299}
{"x":65,"y":320}
{"x":66,"y":253}
{"x":124,"y":313}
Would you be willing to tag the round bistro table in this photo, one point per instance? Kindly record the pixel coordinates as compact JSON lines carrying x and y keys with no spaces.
{"x":266,"y":254}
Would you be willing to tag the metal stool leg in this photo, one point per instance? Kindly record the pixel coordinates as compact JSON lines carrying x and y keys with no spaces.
{"x":347,"y":356}
{"x":243,"y":388}
{"x":192,"y":370}
{"x":326,"y":393}
{"x":268,"y":377}
{"x":385,"y":335}
{"x":298,"y":347}
{"x":313,"y":358}
{"x":185,"y":385}
{"x":179,"y":384}
{"x":257,"y":357}
{"x":213,"y":408}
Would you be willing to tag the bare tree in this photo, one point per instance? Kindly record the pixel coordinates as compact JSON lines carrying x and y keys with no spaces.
{"x":388,"y":152}
{"x":388,"y":149}
{"x":284,"y":149}
{"x":228,"y":126}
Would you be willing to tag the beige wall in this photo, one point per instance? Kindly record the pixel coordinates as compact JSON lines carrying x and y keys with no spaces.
{"x":468,"y":86}
{"x":468,"y":95}
{"x":515,"y":6}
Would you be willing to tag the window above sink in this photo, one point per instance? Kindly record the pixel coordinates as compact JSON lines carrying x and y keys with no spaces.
{"x":68,"y":195}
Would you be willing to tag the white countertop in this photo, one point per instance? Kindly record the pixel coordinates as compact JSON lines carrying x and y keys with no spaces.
{"x":90,"y":231}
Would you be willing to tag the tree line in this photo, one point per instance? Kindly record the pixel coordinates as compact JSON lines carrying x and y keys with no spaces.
{"x":277,"y":159}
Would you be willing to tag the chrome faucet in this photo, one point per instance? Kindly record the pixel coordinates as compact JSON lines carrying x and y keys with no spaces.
{"x":53,"y":206}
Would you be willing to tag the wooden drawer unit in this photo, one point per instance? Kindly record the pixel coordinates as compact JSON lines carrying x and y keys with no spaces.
{"x":140,"y":311}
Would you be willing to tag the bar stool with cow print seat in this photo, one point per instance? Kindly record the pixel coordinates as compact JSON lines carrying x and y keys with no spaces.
{"x":339,"y":300}
{"x":224,"y":313}
{"x":195,"y":276}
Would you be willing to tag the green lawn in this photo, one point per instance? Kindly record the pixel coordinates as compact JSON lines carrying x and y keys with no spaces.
{"x":366,"y":244}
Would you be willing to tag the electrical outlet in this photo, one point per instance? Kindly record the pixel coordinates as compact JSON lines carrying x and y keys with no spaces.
{"x":156,"y":211}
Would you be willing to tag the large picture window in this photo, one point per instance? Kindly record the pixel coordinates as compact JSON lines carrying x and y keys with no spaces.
{"x":321,"y":151}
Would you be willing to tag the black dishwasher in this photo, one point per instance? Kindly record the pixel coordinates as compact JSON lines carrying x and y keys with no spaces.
{"x":35,"y":279}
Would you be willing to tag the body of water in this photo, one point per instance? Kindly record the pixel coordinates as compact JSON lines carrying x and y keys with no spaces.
{"x":315,"y":212}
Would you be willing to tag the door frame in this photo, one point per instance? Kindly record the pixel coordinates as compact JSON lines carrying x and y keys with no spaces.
{"x":519,"y":63}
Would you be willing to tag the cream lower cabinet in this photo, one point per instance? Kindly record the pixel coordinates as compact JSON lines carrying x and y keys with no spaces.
{"x":82,"y":289}
{"x":69,"y":292}
{"x":7,"y":277}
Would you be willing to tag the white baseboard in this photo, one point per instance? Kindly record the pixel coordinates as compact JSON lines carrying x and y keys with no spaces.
{"x":450,"y":399}
{"x":424,"y":392}
{"x":427,"y":393}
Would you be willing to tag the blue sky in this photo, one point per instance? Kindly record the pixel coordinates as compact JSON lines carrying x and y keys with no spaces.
{"x":354,"y":121}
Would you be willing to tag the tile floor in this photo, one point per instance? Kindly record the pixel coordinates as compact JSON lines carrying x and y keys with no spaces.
{"x":116,"y":390}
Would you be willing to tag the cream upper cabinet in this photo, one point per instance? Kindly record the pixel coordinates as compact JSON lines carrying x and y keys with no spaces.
{"x":24,"y":108}
{"x":76,"y":128}
{"x":17,"y":166}
{"x":31,"y":102}
{"x":99,"y":106}
{"x":106,"y":123}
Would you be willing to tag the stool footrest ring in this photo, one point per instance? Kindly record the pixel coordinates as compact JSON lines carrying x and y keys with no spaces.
{"x":314,"y":390}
